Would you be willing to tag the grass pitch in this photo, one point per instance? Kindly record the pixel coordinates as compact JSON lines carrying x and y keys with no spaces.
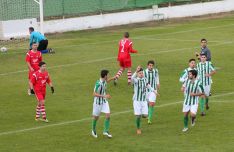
{"x":76,"y":66}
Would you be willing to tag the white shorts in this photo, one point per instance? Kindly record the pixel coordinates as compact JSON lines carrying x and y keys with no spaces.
{"x":151,"y":97}
{"x":97,"y":109}
{"x":207,"y":90}
{"x":191,"y":108}
{"x":140,"y":107}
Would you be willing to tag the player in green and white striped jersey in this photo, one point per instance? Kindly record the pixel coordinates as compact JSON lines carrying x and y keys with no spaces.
{"x":184,"y":74}
{"x":101,"y":104}
{"x":139,"y":98}
{"x":205,"y":71}
{"x":152,"y":76}
{"x":193,"y":89}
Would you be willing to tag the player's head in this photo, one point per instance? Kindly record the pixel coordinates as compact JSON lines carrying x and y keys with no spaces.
{"x":192,"y":63}
{"x":192,"y":74}
{"x":203,"y":57}
{"x":34,"y":46}
{"x":42,"y":66}
{"x":31,"y":29}
{"x":104,"y":74}
{"x":126,"y":35}
{"x":203,"y":43}
{"x":150,"y":64}
{"x":140,"y":73}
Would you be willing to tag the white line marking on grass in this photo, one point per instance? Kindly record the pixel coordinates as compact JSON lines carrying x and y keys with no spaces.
{"x":85,"y":119}
{"x":110,"y":58}
{"x":137,"y":37}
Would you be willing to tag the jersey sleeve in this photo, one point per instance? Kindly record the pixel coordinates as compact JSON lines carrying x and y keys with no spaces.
{"x":183,"y":76}
{"x":97,"y":85}
{"x":40,"y":57}
{"x":31,"y":40}
{"x":133,"y":78}
{"x":33,"y":78}
{"x":131,"y":49}
{"x":200,"y":88}
{"x":48,"y":79}
{"x":27,"y":59}
{"x":212,"y":68}
{"x":157,"y":77}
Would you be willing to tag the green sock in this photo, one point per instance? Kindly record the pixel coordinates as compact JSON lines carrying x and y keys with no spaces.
{"x":186,"y":122}
{"x":138,"y":122}
{"x":207,"y":100}
{"x":201,"y":104}
{"x":107,"y":125}
{"x":94,"y":123}
{"x":151,"y":110}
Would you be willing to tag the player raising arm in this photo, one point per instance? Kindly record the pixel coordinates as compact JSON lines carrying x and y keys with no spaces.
{"x":139,"y":98}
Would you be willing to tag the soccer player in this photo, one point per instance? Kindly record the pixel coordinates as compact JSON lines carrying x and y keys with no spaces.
{"x":124,"y":57}
{"x":41,"y":39}
{"x":205,"y":71}
{"x":101,"y":104}
{"x":38,"y":83}
{"x":184,"y":74}
{"x":139,"y":98}
{"x":204,"y":50}
{"x":152,"y":76}
{"x":33,"y":58}
{"x":194,"y":89}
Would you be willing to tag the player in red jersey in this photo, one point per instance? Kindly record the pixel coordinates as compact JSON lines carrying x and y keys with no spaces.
{"x":33,"y":58}
{"x":38,"y":83}
{"x":124,"y":57}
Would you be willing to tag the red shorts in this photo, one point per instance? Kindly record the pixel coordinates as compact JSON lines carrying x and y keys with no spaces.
{"x":40,"y":95}
{"x":30,"y":74}
{"x":125,"y":63}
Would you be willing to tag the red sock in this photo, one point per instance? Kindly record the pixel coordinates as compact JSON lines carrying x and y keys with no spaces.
{"x":38,"y":111}
{"x":129,"y":75}
{"x":43,"y":112}
{"x":119,"y":73}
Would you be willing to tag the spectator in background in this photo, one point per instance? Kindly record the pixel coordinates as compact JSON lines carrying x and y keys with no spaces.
{"x":37,"y":37}
{"x":204,"y":50}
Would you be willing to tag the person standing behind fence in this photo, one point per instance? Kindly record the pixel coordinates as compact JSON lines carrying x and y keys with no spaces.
{"x":37,"y":37}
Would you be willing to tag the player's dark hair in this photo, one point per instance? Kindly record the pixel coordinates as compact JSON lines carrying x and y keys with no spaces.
{"x":31,"y":28}
{"x":126,"y":35}
{"x":203,"y":54}
{"x":141,"y":69}
{"x":104,"y":73}
{"x":34,"y":42}
{"x":203,"y":40}
{"x":41,"y":63}
{"x":194,"y":73}
{"x":150,"y":62}
{"x":190,"y":60}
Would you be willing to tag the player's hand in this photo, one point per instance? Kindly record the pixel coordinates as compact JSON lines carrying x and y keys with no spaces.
{"x":138,"y":68}
{"x":158,"y":86}
{"x":207,"y":75}
{"x":182,"y":89}
{"x":32,"y":91}
{"x":192,"y":94}
{"x":107,"y":96}
{"x":52,"y":89}
{"x":31,"y":69}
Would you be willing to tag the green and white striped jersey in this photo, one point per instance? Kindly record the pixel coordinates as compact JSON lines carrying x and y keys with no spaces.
{"x":203,"y":69}
{"x":140,"y":86}
{"x":100,"y":88}
{"x":194,"y":87}
{"x":184,"y":74}
{"x":152,"y":77}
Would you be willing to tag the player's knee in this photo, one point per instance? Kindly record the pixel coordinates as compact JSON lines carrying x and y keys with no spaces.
{"x":144,"y":116}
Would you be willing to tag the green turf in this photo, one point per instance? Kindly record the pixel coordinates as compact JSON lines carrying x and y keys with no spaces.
{"x":74,"y":69}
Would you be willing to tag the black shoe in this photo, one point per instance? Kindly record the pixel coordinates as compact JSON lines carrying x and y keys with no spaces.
{"x":115,"y":82}
{"x":207,"y":107}
{"x":203,"y":114}
{"x":50,"y":50}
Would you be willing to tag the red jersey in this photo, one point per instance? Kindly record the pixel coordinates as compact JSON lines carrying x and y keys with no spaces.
{"x":39,"y":81}
{"x":125,"y":48}
{"x":34,"y":58}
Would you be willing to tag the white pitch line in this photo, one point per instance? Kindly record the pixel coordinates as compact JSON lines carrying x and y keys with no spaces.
{"x":85,"y":119}
{"x":142,"y":37}
{"x":110,"y":58}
